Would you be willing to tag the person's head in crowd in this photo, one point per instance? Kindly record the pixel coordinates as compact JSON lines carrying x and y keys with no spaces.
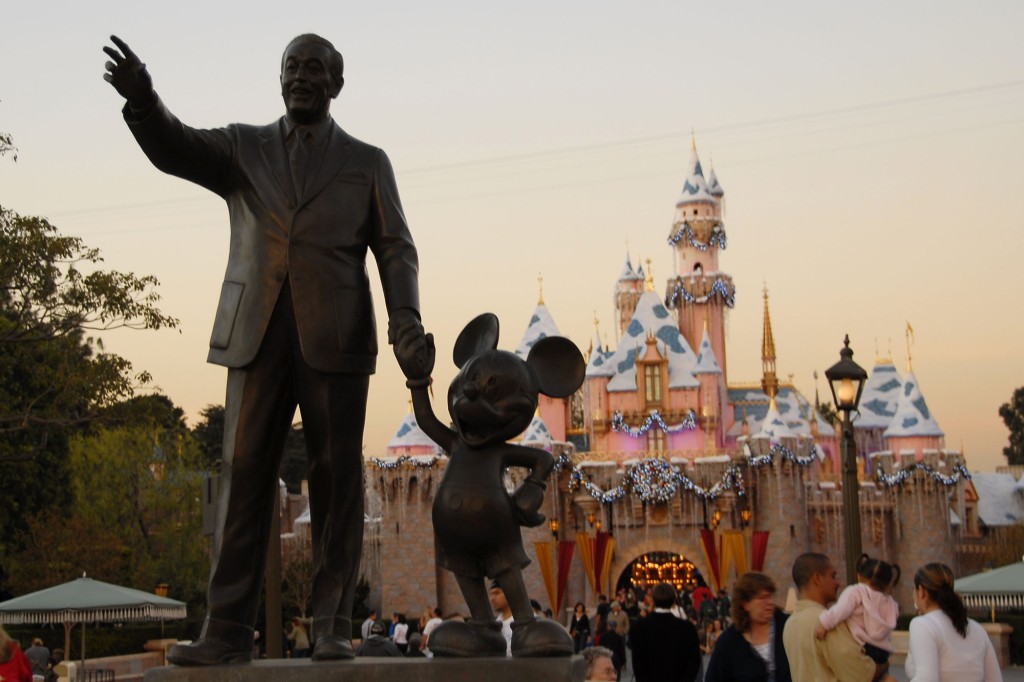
{"x":880,"y":575}
{"x":752,"y":600}
{"x":598,"y":664}
{"x":664,"y":596}
{"x":815,"y":578}
{"x":933,"y":586}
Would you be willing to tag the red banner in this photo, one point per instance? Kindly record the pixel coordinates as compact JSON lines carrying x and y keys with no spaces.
{"x":707,"y":541}
{"x":758,"y":549}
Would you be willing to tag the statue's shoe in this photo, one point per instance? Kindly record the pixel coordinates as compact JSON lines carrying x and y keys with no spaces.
{"x":333,"y":648}
{"x":207,"y":652}
{"x":540,"y":638}
{"x":468,"y":640}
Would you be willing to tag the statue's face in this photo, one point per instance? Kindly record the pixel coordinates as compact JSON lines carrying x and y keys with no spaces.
{"x":307,"y":86}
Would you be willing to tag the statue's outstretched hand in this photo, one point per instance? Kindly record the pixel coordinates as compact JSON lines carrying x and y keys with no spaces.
{"x":129,"y":76}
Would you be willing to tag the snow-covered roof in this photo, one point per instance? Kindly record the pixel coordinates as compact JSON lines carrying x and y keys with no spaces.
{"x":792,"y":406}
{"x":880,"y":396}
{"x":651,"y":317}
{"x":714,"y":187}
{"x":600,"y":364}
{"x":695,"y":187}
{"x":410,"y":434}
{"x":628,"y":274}
{"x":541,"y":326}
{"x":912,"y":416}
{"x":999,"y":503}
{"x":706,"y":361}
{"x":774,"y":427}
{"x":537,"y":433}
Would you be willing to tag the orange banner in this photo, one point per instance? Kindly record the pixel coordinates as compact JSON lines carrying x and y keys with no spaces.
{"x":545,"y":558}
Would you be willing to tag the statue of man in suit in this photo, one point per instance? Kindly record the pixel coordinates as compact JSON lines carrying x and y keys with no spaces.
{"x":294,"y":325}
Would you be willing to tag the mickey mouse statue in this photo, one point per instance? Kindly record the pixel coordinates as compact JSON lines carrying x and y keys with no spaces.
{"x":476,"y":521}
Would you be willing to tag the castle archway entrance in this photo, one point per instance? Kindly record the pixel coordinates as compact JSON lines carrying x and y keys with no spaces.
{"x":658,"y":566}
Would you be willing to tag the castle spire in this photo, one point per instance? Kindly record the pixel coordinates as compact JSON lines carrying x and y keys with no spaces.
{"x":769,"y":381}
{"x":540,"y":286}
{"x":910,"y":342}
{"x":649,"y":284}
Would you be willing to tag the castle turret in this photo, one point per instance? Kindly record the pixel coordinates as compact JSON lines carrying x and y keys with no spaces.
{"x":913,"y":427}
{"x":628,"y":289}
{"x":699,"y":291}
{"x":554,"y":411}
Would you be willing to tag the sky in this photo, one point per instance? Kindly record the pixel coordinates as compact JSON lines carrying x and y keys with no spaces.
{"x":872,"y":156}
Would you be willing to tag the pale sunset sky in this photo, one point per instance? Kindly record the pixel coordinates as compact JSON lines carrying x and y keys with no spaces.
{"x":872,"y":156}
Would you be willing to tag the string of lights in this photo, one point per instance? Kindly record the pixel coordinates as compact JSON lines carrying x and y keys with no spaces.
{"x":777,"y":450}
{"x":653,"y":419}
{"x":419,"y":463}
{"x":686,"y":232}
{"x":901,"y":476}
{"x":719,"y":289}
{"x":653,"y":480}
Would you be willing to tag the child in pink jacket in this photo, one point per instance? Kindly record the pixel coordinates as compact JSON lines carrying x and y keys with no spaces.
{"x":867,"y":608}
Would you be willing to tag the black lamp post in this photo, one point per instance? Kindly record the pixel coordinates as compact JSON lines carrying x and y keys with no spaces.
{"x":846,"y":379}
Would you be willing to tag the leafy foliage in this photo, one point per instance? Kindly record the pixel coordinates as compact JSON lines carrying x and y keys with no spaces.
{"x":1013,"y":416}
{"x":145,"y":484}
{"x":52,"y":294}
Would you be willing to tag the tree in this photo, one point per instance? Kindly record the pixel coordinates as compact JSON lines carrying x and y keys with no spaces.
{"x":209,"y":434}
{"x":53,"y":295}
{"x":145,"y":484}
{"x":1013,"y":416}
{"x":58,"y":547}
{"x":297,"y":572}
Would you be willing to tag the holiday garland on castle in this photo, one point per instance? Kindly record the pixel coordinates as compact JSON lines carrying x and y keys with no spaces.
{"x":652,"y":480}
{"x":900,"y":477}
{"x":719,"y":289}
{"x":778,"y":450}
{"x":686,"y":232}
{"x":416,"y":462}
{"x":653,"y":419}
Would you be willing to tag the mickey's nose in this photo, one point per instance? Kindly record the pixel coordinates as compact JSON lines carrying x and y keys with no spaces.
{"x":471,"y":390}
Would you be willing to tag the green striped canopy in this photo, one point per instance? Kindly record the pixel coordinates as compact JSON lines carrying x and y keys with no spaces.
{"x":87,"y":600}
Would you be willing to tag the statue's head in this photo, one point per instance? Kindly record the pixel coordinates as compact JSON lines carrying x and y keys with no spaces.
{"x":494,"y":395}
{"x":311,"y":76}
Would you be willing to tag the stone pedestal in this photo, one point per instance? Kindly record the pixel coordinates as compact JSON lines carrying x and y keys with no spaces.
{"x":382,"y":670}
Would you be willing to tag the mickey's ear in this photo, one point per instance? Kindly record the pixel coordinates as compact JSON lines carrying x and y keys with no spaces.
{"x":480,"y":335}
{"x":558,"y":366}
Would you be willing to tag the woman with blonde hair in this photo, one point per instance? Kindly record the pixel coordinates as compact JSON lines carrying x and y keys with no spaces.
{"x":14,"y":665}
{"x":944,"y":643}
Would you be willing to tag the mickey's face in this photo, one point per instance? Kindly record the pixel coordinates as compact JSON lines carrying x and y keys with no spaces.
{"x":492,"y":399}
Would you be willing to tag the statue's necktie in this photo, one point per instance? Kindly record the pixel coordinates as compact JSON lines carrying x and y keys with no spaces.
{"x":300,"y":160}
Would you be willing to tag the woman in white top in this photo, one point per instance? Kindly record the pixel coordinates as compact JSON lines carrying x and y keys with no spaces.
{"x":946,"y":645}
{"x":401,"y":635}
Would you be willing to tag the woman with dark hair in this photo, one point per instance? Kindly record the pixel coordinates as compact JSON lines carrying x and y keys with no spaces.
{"x":944,"y":643}
{"x":750,"y":650}
{"x":400,"y":636}
{"x":579,"y":628}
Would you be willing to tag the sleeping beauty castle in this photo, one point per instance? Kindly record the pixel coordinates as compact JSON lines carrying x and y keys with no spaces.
{"x":668,"y":471}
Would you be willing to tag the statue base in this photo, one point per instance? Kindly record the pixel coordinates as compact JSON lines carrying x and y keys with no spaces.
{"x":380,"y":670}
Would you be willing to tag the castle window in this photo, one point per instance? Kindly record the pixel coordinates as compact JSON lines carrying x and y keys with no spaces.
{"x":652,"y":384}
{"x":655,"y":440}
{"x":698,"y":269}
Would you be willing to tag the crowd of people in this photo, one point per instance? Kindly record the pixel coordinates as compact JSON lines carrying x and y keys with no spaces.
{"x":829,"y":636}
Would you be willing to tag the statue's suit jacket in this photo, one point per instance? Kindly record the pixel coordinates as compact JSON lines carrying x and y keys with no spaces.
{"x":318,"y":241}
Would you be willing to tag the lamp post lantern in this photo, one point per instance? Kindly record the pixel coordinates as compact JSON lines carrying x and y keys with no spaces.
{"x":846,"y":380}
